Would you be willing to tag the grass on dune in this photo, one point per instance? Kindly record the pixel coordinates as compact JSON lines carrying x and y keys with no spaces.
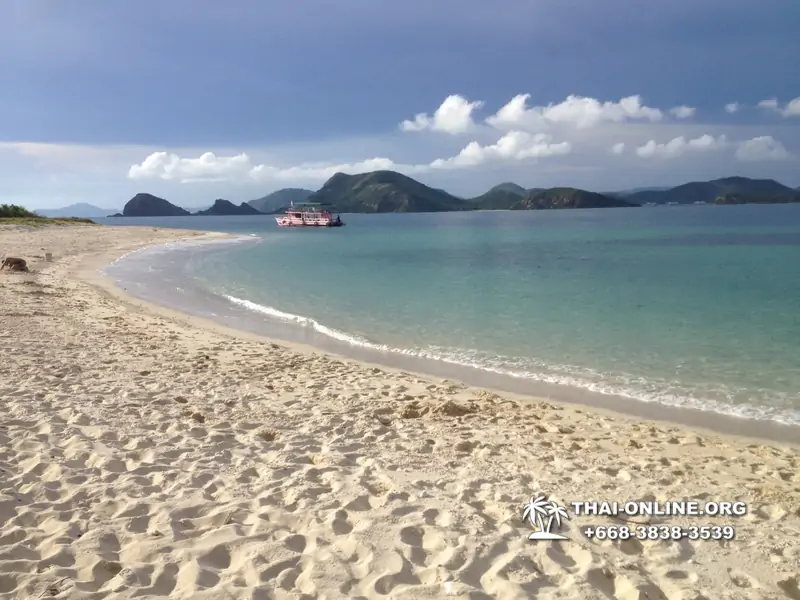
{"x":11,"y":214}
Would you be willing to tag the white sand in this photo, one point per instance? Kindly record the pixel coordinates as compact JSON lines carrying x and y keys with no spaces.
{"x":146,"y":454}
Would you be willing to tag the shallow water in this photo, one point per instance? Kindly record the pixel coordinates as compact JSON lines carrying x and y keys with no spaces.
{"x":687,"y":306}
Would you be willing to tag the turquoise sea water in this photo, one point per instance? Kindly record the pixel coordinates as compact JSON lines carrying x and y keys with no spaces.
{"x":687,"y":306}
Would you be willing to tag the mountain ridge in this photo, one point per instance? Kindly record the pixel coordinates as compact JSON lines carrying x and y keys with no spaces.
{"x":222,"y":207}
{"x":148,"y":205}
{"x":389,"y":191}
{"x":384,"y":191}
{"x":79,"y":209}
{"x":708,"y":191}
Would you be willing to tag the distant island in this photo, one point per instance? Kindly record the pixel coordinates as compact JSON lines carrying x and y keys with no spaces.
{"x":757,"y":191}
{"x":225,"y":207}
{"x":147,"y":205}
{"x":81,"y":209}
{"x":389,"y":191}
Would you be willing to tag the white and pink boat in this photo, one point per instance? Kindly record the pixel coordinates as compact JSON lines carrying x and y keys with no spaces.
{"x":308,"y":214}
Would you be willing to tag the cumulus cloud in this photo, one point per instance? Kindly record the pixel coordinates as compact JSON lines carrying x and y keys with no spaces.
{"x":513,"y":146}
{"x":240,"y":168}
{"x":527,"y":134}
{"x":682,"y":112}
{"x":792,"y":108}
{"x":761,"y":148}
{"x":453,"y":116}
{"x":679,"y":146}
{"x":575,"y":110}
{"x":732,"y":107}
{"x":208,"y":167}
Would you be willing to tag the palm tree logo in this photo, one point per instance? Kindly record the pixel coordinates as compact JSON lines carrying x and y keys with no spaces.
{"x":539,"y":508}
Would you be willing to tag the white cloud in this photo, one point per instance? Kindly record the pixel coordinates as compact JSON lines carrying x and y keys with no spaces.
{"x":453,"y":116}
{"x":324,"y":171}
{"x":517,"y":114}
{"x":679,"y":145}
{"x":682,"y":112}
{"x":732,"y":107}
{"x":208,"y":167}
{"x":792,"y":108}
{"x":240,"y":168}
{"x":618,"y":148}
{"x":513,"y":146}
{"x":575,"y":110}
{"x":761,"y":148}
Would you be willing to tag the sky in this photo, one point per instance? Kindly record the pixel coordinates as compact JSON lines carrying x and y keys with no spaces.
{"x":194,"y":100}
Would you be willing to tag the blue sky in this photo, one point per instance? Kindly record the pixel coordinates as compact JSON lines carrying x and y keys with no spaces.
{"x":91,"y":88}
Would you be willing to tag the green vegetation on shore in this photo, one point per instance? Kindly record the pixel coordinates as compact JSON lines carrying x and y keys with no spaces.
{"x":11,"y":214}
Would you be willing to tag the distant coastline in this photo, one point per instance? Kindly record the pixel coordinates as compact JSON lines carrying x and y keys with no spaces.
{"x":389,"y":191}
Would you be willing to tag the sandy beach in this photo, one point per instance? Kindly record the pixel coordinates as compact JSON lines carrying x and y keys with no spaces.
{"x":145,"y":453}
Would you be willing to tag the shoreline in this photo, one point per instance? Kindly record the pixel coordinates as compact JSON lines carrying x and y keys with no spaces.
{"x":705,"y":421}
{"x":145,"y":455}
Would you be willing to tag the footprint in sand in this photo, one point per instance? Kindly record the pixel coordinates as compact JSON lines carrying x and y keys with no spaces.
{"x":528,"y":575}
{"x":358,"y":555}
{"x":620,"y":587}
{"x":791,"y":587}
{"x":218,"y":558}
{"x":340,"y":523}
{"x":397,"y":570}
{"x":8,"y":583}
{"x":424,"y":543}
{"x":741,"y":579}
{"x":569,"y":557}
{"x":438,"y":518}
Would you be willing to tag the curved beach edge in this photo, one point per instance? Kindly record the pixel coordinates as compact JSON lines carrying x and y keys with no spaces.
{"x":147,"y":452}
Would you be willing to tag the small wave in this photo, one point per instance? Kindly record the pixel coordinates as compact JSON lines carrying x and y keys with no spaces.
{"x":634,"y":388}
{"x":307,"y":322}
{"x":182,"y":244}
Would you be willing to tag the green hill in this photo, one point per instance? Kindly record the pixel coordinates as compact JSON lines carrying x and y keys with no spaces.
{"x":384,"y":192}
{"x":564,"y":197}
{"x":226,"y":207}
{"x":388,"y":191}
{"x":502,"y":198}
{"x":498,"y":200}
{"x":708,"y":191}
{"x":279,"y":199}
{"x":147,"y":205}
{"x":510,"y":187}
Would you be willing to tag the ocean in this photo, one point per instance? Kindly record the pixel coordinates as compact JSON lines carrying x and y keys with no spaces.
{"x":691,"y":306}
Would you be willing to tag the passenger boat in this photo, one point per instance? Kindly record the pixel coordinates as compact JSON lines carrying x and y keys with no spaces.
{"x":308,"y":214}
